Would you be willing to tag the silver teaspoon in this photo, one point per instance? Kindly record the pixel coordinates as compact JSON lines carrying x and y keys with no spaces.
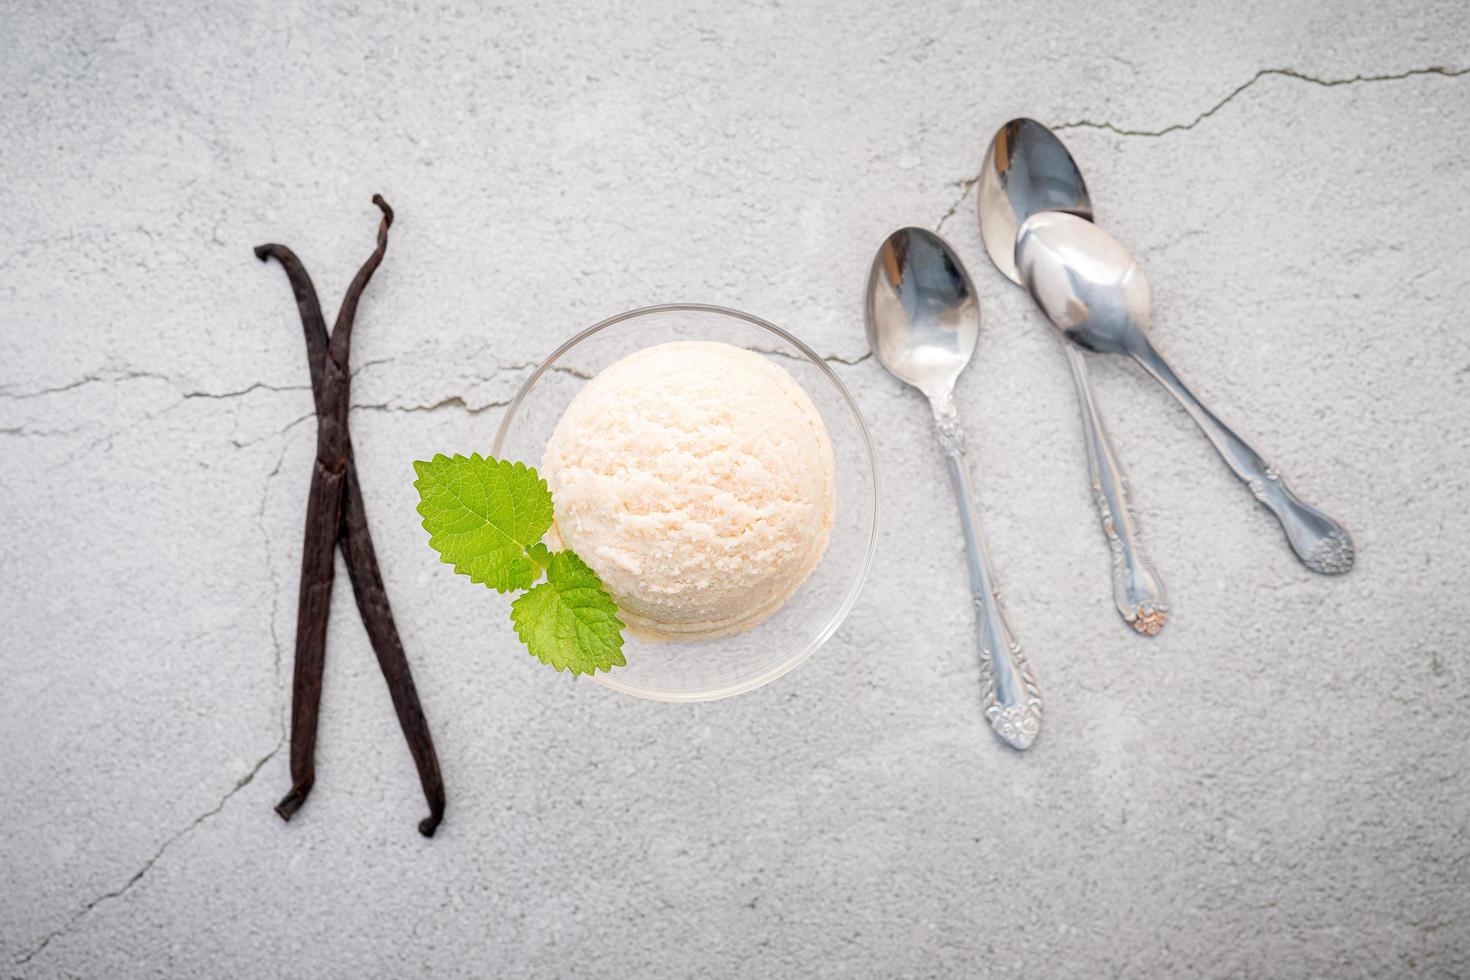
{"x":1027,"y":170}
{"x":1096,"y":295}
{"x":922,"y":322}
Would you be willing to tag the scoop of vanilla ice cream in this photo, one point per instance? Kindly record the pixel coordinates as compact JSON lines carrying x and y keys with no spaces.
{"x":698,"y":481}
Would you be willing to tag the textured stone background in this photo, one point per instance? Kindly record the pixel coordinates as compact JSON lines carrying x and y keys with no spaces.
{"x":1276,"y":786}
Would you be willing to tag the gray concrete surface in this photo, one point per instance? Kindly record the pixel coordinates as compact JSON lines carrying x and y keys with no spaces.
{"x":1276,"y":786}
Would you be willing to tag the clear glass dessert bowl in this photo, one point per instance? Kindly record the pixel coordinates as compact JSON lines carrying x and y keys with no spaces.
{"x":703,"y":670}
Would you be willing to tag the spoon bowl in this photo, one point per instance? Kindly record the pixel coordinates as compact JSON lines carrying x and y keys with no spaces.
{"x":1087,"y":284}
{"x":1027,"y":170}
{"x":922,"y":317}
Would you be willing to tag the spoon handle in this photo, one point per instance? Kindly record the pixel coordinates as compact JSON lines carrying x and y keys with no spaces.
{"x":1322,"y":544}
{"x":1012,"y":699}
{"x":1138,"y":590}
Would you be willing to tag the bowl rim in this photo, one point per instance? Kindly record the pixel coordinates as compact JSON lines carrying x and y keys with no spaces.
{"x":849,"y":600}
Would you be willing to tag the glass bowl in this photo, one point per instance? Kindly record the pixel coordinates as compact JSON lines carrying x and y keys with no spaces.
{"x":704,"y":670}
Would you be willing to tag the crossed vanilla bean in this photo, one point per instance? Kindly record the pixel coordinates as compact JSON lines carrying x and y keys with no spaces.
{"x":336,"y":516}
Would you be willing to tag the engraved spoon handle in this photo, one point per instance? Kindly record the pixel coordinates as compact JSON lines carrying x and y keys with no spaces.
{"x":1012,"y":699}
{"x":1322,"y":544}
{"x":1138,"y":590}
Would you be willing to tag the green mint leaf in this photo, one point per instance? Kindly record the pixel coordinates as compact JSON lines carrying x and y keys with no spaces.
{"x":484,"y":516}
{"x":569,"y":621}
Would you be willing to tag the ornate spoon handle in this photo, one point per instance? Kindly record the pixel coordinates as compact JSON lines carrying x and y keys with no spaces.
{"x":1012,"y":699}
{"x":1322,"y":544}
{"x":1138,"y":590}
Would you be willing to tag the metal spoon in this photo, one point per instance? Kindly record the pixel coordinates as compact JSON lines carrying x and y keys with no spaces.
{"x":1096,"y":295}
{"x":1027,"y":170}
{"x":923,"y":321}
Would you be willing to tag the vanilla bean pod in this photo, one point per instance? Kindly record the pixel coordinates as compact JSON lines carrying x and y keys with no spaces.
{"x":336,"y":503}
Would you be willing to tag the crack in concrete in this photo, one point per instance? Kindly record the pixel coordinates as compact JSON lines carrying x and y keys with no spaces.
{"x":105,"y":440}
{"x":84,"y":381}
{"x":130,"y":375}
{"x":848,"y":361}
{"x":564,"y":369}
{"x":23,"y":432}
{"x":138,"y":875}
{"x":828,"y":358}
{"x":453,"y":401}
{"x":270,"y":565}
{"x":967,"y":185}
{"x":1263,"y":73}
{"x":235,"y":441}
{"x":258,"y":386}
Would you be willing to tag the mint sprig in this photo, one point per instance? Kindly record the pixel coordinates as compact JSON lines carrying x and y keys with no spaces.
{"x":486,"y":517}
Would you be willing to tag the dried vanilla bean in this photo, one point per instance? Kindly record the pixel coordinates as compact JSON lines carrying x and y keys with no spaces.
{"x":336,"y":515}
